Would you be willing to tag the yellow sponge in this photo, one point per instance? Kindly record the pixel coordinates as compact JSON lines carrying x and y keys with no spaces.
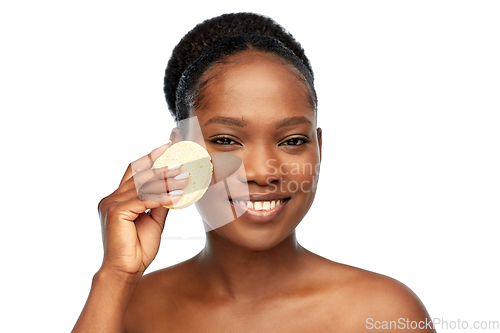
{"x":197,"y":161}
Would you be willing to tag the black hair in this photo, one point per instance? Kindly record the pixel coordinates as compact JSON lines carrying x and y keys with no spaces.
{"x":213,"y":41}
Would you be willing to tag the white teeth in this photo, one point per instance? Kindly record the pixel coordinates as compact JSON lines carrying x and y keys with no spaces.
{"x":260,"y":205}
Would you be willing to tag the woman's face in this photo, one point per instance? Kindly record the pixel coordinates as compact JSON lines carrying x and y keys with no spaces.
{"x":257,"y":108}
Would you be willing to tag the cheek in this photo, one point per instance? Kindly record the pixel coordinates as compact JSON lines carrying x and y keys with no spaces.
{"x":301,"y":176}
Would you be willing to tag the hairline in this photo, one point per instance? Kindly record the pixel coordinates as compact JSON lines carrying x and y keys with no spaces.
{"x":219,"y":67}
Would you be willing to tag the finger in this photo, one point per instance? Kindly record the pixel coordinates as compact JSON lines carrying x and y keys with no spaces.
{"x":159,"y":214}
{"x":121,"y":196}
{"x":138,"y":180}
{"x":130,"y":190}
{"x":127,"y":175}
{"x":144,"y":163}
{"x":160,"y":197}
{"x":135,"y":206}
{"x":163,"y":186}
{"x":151,"y":175}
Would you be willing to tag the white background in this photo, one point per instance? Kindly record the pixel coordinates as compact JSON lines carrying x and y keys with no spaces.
{"x":408,"y":103}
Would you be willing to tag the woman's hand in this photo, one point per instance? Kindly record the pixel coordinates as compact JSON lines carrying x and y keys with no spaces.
{"x":131,"y":236}
{"x":131,"y":239}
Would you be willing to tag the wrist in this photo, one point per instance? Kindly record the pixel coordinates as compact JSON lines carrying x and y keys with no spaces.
{"x":113,"y":275}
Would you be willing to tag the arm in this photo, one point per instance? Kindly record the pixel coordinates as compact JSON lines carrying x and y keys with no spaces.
{"x":108,"y":299}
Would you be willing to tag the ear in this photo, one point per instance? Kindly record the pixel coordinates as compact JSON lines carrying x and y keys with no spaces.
{"x":319,"y":141}
{"x":175,"y":135}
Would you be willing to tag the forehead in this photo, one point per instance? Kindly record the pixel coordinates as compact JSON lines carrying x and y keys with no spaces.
{"x":255,"y":84}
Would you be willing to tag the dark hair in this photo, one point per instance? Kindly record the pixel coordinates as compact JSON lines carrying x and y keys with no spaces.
{"x":213,"y":41}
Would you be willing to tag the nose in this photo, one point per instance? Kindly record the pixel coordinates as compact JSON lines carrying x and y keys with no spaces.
{"x":262,"y":165}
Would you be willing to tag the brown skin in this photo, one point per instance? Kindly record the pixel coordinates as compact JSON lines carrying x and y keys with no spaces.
{"x":254,"y":277}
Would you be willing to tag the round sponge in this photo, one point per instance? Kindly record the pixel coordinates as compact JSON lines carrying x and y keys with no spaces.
{"x":197,"y":161}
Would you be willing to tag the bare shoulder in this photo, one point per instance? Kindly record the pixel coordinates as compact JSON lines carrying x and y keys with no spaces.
{"x":366,"y":300}
{"x":390,"y":305}
{"x":155,"y":298}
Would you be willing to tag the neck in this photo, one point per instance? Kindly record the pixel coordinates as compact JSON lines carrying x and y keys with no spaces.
{"x":241,"y":273}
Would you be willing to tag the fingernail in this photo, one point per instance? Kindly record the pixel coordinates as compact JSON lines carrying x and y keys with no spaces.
{"x":176,"y":192}
{"x":182,"y":176}
{"x":166,"y":144}
{"x":174,"y":166}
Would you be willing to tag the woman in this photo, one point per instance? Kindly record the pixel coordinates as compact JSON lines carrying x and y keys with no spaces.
{"x":250,"y":86}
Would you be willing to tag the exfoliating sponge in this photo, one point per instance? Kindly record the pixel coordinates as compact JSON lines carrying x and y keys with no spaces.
{"x":197,"y":161}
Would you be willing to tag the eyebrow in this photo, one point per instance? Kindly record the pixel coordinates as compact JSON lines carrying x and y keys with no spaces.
{"x":293,"y":121}
{"x":231,"y":121}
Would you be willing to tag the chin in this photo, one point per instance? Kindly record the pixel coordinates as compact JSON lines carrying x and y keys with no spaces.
{"x":239,"y":235}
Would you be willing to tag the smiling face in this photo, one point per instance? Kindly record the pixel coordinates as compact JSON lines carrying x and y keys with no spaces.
{"x":257,"y":108}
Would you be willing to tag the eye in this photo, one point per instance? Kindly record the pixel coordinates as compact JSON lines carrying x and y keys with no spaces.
{"x":223,"y":140}
{"x":297,"y":141}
